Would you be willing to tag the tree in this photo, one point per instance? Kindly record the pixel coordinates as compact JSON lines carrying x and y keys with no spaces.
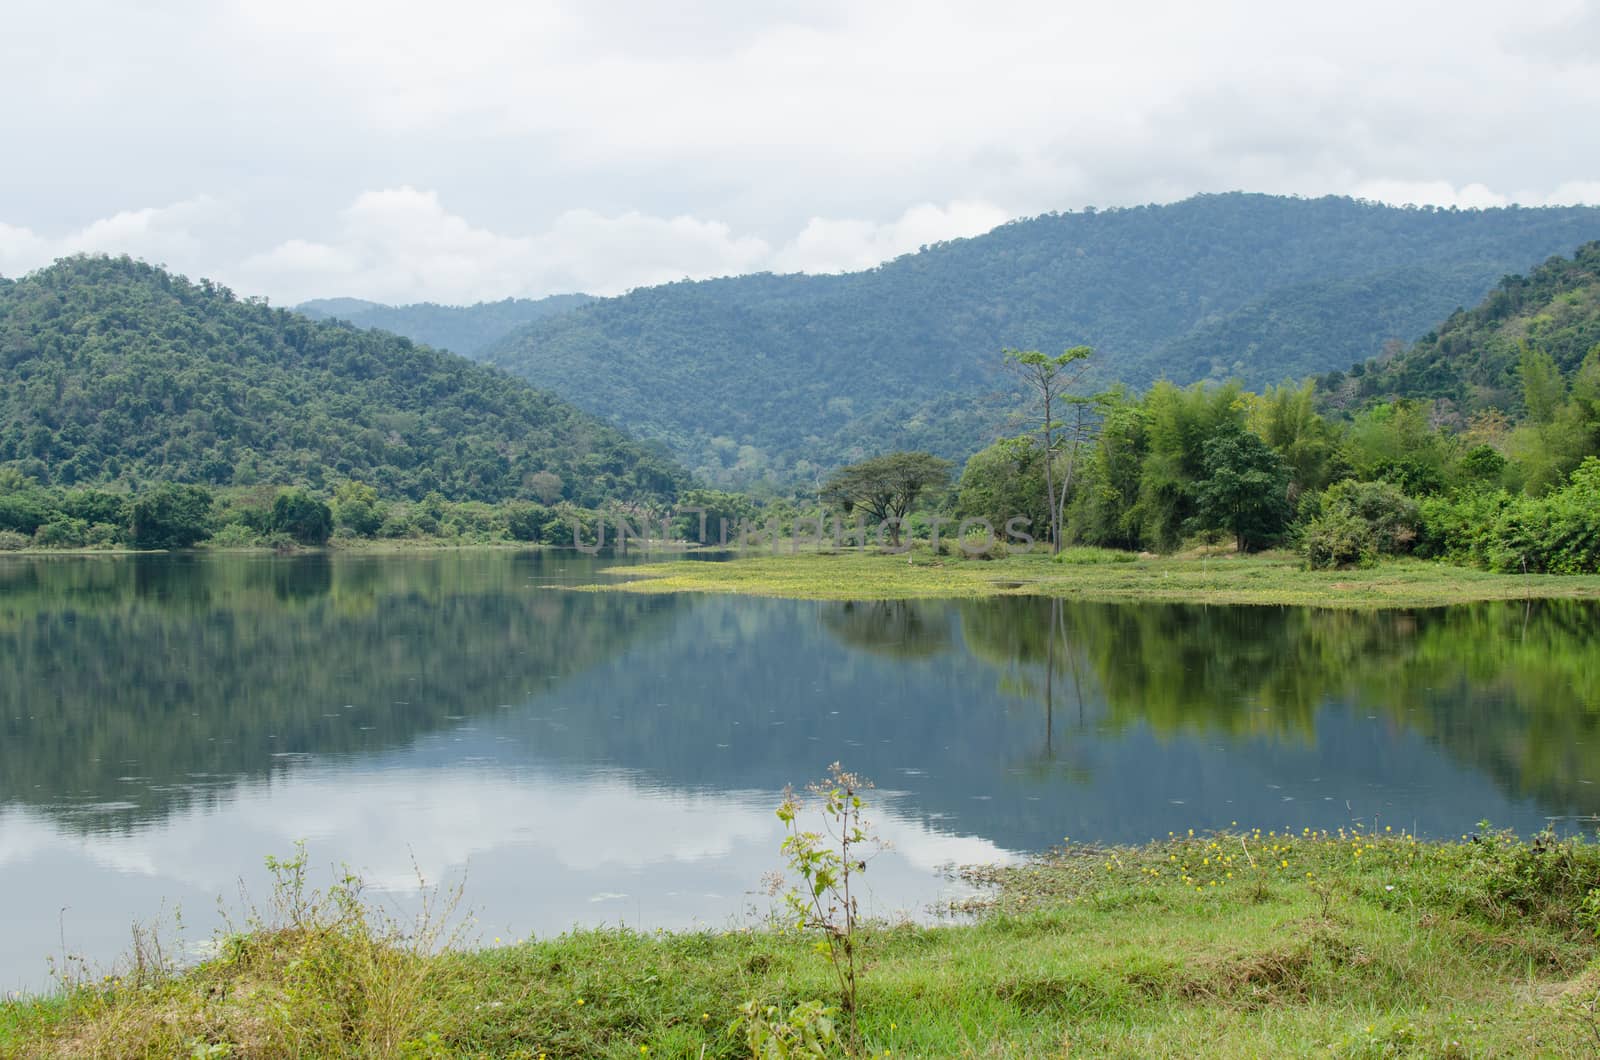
{"x":1543,"y":388}
{"x":546,"y":485}
{"x":1051,"y":379}
{"x":302,"y":517}
{"x":171,"y":516}
{"x":1178,"y":421}
{"x":357,"y":509}
{"x":526,"y":522}
{"x":885,"y":487}
{"x":1245,"y":491}
{"x":717,"y":519}
{"x":1004,"y":481}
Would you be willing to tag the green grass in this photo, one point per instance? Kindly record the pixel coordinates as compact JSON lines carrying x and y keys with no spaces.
{"x":1096,"y":574}
{"x":1239,"y":944}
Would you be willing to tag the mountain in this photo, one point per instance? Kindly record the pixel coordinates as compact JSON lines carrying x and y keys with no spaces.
{"x":787,"y":375}
{"x":1472,"y":358}
{"x":466,"y":330}
{"x":114,"y":369}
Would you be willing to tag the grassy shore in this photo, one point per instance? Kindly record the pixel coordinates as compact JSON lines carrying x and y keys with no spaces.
{"x":1273,"y":578}
{"x":1235,"y":944}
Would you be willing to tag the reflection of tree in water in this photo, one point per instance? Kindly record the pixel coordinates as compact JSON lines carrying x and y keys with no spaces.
{"x":1510,"y":687}
{"x":900,"y":629}
{"x":189,"y":674}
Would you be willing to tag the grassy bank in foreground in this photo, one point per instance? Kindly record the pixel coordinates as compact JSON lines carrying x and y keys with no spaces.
{"x":1240,"y":944}
{"x":1273,"y":578}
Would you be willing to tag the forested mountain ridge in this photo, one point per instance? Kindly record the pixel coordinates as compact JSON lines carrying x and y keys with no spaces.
{"x":118,"y":370}
{"x":768,"y":374}
{"x":466,"y":330}
{"x":1474,"y":359}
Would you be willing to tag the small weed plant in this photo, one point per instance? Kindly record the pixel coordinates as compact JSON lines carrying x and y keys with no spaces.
{"x":809,"y":1030}
{"x":829,"y":864}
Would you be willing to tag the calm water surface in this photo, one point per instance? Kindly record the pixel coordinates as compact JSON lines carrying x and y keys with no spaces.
{"x":577,"y":758}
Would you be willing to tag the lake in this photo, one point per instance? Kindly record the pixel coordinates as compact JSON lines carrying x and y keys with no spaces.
{"x":579,"y":758}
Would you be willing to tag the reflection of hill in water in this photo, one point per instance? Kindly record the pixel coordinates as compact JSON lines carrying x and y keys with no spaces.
{"x":1233,"y":710}
{"x":131,"y":687}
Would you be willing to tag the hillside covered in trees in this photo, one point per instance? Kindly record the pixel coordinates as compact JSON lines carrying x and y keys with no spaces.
{"x":785,"y":376}
{"x":1475,"y":359}
{"x":116,"y":370}
{"x":466,"y":330}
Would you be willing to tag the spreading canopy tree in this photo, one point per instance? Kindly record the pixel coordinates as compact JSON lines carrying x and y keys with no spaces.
{"x":885,"y":487}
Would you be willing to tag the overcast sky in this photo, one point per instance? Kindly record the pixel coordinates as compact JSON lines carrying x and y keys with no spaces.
{"x":463,"y":151}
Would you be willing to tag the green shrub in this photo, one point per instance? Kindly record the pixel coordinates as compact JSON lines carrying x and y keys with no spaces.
{"x":1358,"y":522}
{"x":104,"y":535}
{"x":235,"y":535}
{"x":21,"y":513}
{"x":302,"y":517}
{"x":62,"y":532}
{"x":357,"y":509}
{"x":11,"y":541}
{"x":1338,"y":539}
{"x":1083,"y":555}
{"x":982,"y":547}
{"x":526,"y":522}
{"x":1558,"y":533}
{"x":171,"y":516}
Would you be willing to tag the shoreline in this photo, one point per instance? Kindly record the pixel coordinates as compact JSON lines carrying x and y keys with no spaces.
{"x":1270,"y":579}
{"x":1229,"y":943}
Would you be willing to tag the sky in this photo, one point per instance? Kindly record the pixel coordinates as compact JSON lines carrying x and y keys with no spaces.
{"x":471,"y":151}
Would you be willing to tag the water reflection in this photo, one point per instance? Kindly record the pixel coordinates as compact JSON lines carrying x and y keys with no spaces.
{"x":167,"y":721}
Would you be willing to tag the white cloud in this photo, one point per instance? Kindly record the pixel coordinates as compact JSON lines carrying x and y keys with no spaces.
{"x":1429,"y":193}
{"x":843,"y":246}
{"x":403,"y":244}
{"x":605,"y":143}
{"x":174,"y":234}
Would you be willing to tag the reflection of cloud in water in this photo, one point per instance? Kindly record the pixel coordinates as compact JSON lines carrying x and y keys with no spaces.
{"x":539,"y":853}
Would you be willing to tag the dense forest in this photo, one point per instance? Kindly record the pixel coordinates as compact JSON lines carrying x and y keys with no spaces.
{"x":782,"y":376}
{"x":1475,"y":359}
{"x":117,"y":372}
{"x":467,"y":330}
{"x":1157,"y":470}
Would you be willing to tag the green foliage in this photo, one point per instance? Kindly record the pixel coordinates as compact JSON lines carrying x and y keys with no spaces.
{"x":885,"y":487}
{"x":807,"y":1032}
{"x":778,"y":375}
{"x":721,"y":515}
{"x":117,"y":371}
{"x":1084,"y":556}
{"x":1245,"y":490}
{"x":1543,"y":389}
{"x":1286,"y":418}
{"x":1396,"y":442}
{"x":1558,"y":533}
{"x":1178,"y":423}
{"x":1338,"y":538}
{"x":1003,"y":482}
{"x":302,"y":517}
{"x":466,"y":330}
{"x":1240,"y":943}
{"x":1482,"y":464}
{"x":1359,"y":522}
{"x":526,"y":522}
{"x":171,"y":516}
{"x":356,"y":508}
{"x":1510,"y":351}
{"x":829,"y":864}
